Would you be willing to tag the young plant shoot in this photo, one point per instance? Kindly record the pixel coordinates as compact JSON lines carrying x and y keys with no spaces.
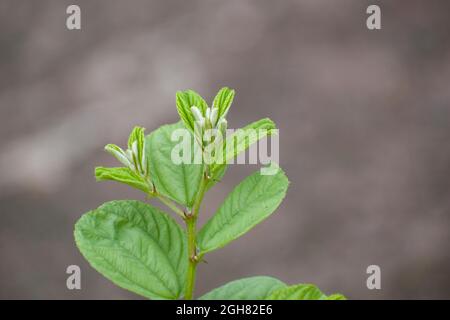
{"x":143,"y":249}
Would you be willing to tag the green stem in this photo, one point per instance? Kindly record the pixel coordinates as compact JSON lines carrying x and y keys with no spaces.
{"x":191,"y":220}
{"x":171,"y":205}
{"x":192,"y":260}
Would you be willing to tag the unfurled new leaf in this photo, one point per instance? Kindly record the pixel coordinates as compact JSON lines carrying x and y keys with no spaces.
{"x":185,"y":100}
{"x":302,"y":292}
{"x":123,"y":175}
{"x":136,"y":246}
{"x":223,"y":101}
{"x":253,"y":200}
{"x":136,"y":135}
{"x":254,"y":288}
{"x":136,"y":144}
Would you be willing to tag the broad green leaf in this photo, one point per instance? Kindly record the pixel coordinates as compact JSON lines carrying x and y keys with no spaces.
{"x":178,"y":182}
{"x":253,"y":200}
{"x":122,"y":175}
{"x":241,"y":140}
{"x":223,"y":101}
{"x":254,"y":288}
{"x":185,"y":100}
{"x":302,"y":292}
{"x":136,"y":246}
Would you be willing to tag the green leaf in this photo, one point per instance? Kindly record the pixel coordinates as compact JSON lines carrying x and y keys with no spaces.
{"x":119,"y":154}
{"x":302,"y":292}
{"x":240,"y":141}
{"x":297,"y":292}
{"x":136,"y":246}
{"x":185,"y":100}
{"x":223,"y":101}
{"x":253,"y":200}
{"x":178,"y":182}
{"x":336,"y":296}
{"x":217,"y":177}
{"x":122,"y":175}
{"x":137,"y":135}
{"x":136,"y":143}
{"x":254,"y":288}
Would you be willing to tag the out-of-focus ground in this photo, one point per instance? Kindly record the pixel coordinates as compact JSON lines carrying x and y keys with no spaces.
{"x":364,"y":120}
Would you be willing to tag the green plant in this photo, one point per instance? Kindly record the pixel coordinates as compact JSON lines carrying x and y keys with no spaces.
{"x":143,"y":249}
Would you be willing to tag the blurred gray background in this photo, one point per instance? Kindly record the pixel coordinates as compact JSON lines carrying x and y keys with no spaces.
{"x":364,"y":120}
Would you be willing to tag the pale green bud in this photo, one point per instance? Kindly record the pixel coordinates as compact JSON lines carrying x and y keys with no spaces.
{"x":119,"y":154}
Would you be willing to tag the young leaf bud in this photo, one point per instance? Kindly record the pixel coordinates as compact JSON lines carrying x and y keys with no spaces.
{"x":213,"y":116}
{"x":197,"y":115}
{"x":119,"y":154}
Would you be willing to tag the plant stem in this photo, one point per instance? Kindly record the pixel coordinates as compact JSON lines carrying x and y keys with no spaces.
{"x":192,"y":263}
{"x":191,"y":221}
{"x":171,"y":205}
